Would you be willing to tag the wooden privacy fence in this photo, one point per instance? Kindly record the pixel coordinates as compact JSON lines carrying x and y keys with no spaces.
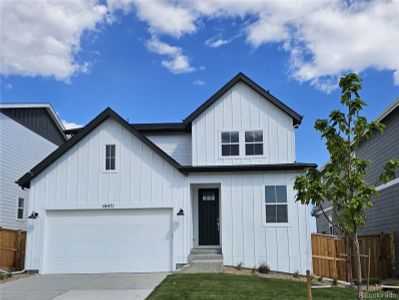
{"x":332,"y":256}
{"x":12,"y":249}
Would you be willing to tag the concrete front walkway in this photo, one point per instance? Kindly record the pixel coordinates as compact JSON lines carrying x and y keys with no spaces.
{"x":121,"y":286}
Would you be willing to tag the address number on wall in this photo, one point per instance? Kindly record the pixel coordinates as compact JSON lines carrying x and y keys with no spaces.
{"x":108,"y":205}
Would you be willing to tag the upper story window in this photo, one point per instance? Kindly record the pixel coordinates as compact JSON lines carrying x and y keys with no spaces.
{"x":20,"y":208}
{"x":276,"y":204}
{"x":230,"y":143}
{"x":254,"y":142}
{"x":109,"y":157}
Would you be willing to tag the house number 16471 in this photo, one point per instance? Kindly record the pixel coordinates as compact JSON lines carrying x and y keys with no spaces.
{"x":109,"y":205}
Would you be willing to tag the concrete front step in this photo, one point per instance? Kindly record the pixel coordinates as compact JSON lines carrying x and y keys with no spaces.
{"x":203,"y":267}
{"x":206,"y":257}
{"x":206,"y":251}
{"x":204,"y":260}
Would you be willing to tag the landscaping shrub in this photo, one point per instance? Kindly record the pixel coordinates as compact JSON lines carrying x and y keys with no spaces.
{"x":264,"y":268}
{"x":335,"y":281}
{"x":4,"y":276}
{"x":239,"y":266}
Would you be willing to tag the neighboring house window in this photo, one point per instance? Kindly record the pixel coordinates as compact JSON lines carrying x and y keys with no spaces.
{"x":109,"y":157}
{"x":230,"y":143}
{"x":276,"y":204}
{"x":20,"y":208}
{"x":330,"y":227}
{"x":254,"y":142}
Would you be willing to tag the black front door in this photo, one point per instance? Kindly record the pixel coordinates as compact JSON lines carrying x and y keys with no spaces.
{"x":208,"y":216}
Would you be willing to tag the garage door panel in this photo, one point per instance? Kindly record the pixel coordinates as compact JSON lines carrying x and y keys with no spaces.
{"x":97,"y":241}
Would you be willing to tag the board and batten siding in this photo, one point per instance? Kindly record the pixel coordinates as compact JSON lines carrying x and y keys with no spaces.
{"x":239,"y":109}
{"x":177,"y":145}
{"x":78,"y":180}
{"x":20,"y":150}
{"x":245,"y":236}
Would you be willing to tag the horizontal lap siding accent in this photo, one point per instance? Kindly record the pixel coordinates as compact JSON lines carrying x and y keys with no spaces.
{"x":383,"y":215}
{"x":241,"y":108}
{"x":381,"y":147}
{"x":178,"y":146}
{"x":78,"y":178}
{"x":20,"y":150}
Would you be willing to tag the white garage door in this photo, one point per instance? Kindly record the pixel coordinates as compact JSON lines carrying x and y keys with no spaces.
{"x":99,"y":241}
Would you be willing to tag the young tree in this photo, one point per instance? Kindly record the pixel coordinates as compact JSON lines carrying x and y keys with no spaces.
{"x":342,"y":181}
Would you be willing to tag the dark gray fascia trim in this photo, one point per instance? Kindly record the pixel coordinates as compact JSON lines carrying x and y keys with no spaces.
{"x":242,"y":77}
{"x":248,"y":168}
{"x":149,"y":128}
{"x":161,"y":127}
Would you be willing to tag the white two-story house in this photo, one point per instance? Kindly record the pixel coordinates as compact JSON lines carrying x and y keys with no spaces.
{"x":28,"y":133}
{"x":120,"y":197}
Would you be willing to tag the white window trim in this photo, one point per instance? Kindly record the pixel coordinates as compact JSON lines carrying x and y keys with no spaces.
{"x":387,"y":185}
{"x":325,"y":210}
{"x":274,"y":224}
{"x":103,"y":158}
{"x":221,"y":144}
{"x":330,"y":226}
{"x":254,"y":143}
{"x":23,"y":210}
{"x":241,"y":141}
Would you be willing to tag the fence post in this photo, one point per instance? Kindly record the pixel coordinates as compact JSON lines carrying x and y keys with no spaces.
{"x":368,"y":269}
{"x":18,"y":248}
{"x":308,"y":285}
{"x":348,"y":258}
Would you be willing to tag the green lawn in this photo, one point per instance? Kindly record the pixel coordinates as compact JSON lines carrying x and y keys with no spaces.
{"x":226,"y":286}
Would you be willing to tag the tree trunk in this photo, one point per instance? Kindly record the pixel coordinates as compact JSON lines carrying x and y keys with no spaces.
{"x":358,"y":267}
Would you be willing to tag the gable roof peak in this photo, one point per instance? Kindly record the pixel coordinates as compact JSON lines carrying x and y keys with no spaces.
{"x":297,"y":118}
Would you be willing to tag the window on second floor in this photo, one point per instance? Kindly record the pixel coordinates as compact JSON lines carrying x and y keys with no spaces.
{"x":276,"y":204}
{"x":109,"y":157}
{"x":20,"y":208}
{"x":254,"y":142}
{"x":230,"y":143}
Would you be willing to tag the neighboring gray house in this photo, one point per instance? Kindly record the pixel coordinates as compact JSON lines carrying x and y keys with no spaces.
{"x":384,"y":214}
{"x":28,"y":133}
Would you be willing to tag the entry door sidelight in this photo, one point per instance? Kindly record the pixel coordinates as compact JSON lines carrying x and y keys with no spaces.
{"x":208,"y":216}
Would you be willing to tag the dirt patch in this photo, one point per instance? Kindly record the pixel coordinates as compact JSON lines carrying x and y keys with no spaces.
{"x":285,"y":276}
{"x":13,"y":278}
{"x":276,"y":275}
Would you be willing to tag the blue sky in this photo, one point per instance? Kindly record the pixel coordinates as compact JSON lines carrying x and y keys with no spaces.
{"x":120,"y":57}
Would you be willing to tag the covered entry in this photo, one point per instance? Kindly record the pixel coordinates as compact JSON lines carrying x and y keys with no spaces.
{"x":206,"y":215}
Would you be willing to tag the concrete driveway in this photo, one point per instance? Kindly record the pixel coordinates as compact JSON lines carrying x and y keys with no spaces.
{"x":121,"y":286}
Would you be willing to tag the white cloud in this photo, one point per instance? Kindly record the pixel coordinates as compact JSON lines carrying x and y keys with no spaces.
{"x":199,"y":82}
{"x":43,"y":37}
{"x":124,"y":5}
{"x":216,"y":43}
{"x":176,"y":63}
{"x":8,"y":86}
{"x":323,"y":38}
{"x":168,"y":17}
{"x":70,"y":125}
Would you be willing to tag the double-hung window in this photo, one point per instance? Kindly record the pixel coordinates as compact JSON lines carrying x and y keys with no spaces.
{"x":109,"y":157}
{"x":276,"y":204}
{"x":230,"y":143}
{"x":20,"y":208}
{"x":254,"y":142}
